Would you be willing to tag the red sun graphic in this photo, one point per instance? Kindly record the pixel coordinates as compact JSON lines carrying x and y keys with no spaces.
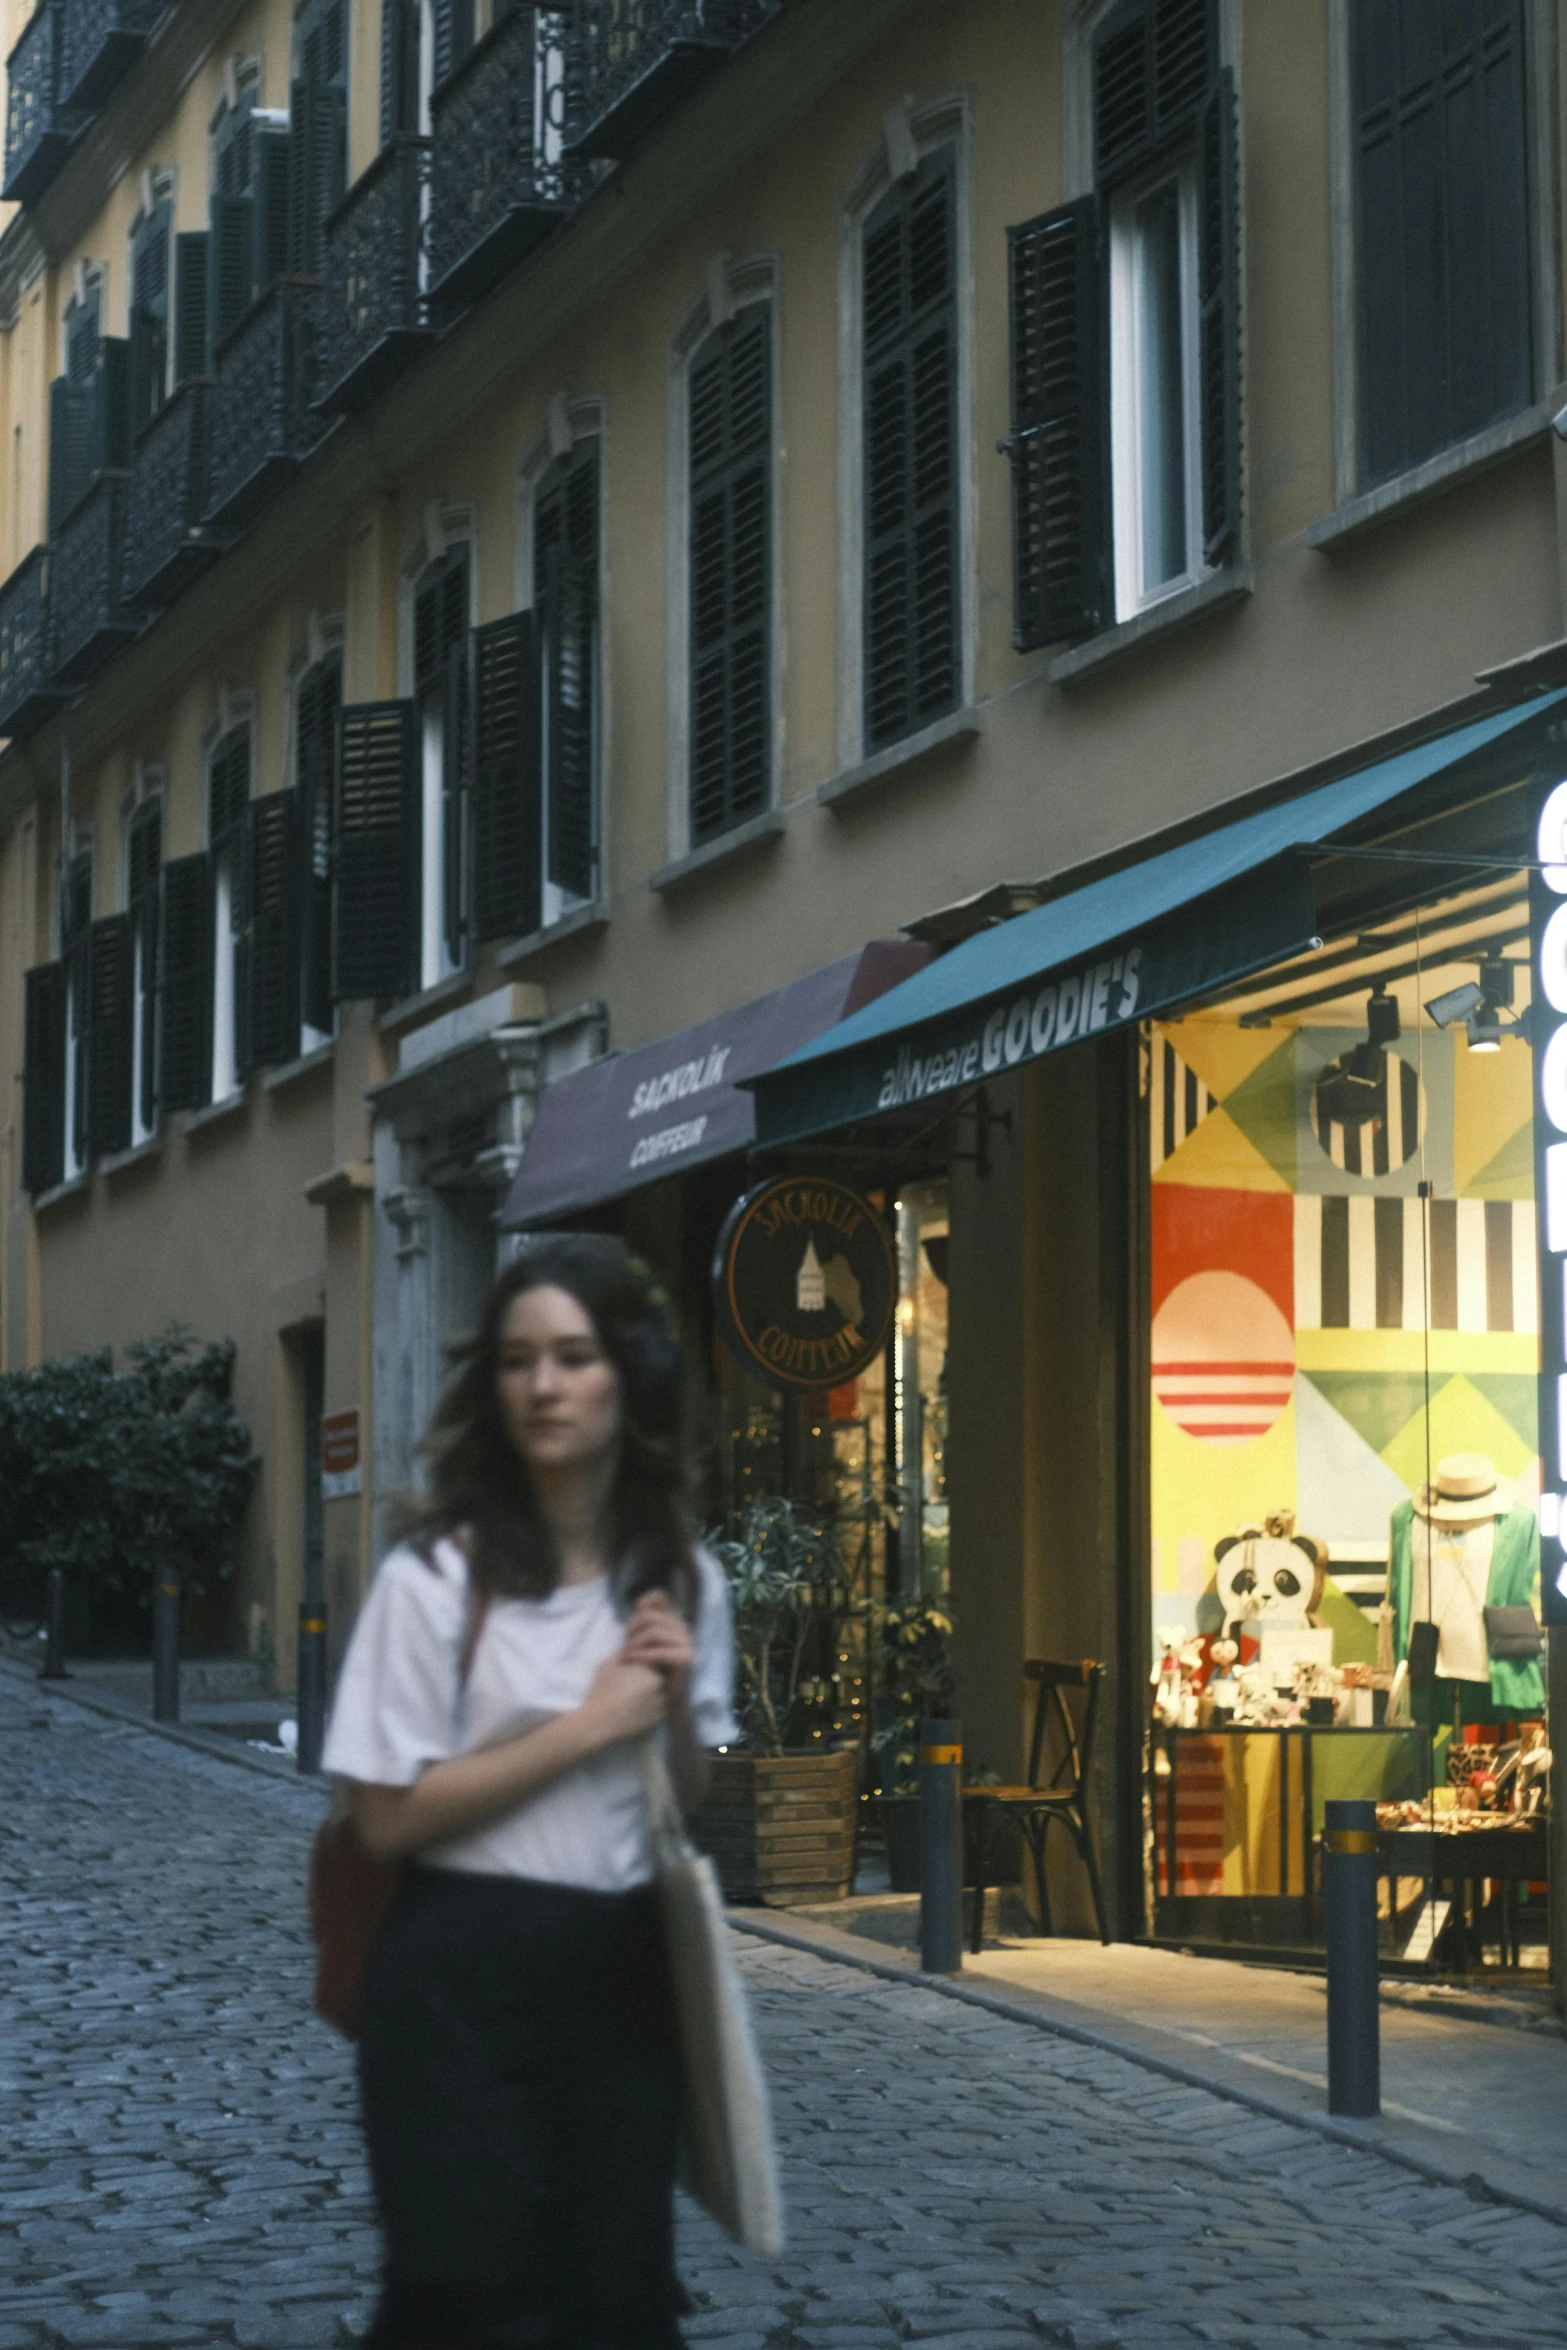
{"x":1223,"y":1358}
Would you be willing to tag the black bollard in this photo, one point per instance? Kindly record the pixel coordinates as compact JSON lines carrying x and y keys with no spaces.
{"x":312,"y":1684}
{"x":941,"y":1847}
{"x":166,"y":1646}
{"x":54,"y":1627}
{"x":1349,"y":1849}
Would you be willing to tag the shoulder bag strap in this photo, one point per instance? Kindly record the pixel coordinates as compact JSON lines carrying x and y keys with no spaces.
{"x":478,"y":1609}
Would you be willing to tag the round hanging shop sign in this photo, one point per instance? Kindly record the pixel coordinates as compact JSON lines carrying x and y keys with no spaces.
{"x":806,"y":1282}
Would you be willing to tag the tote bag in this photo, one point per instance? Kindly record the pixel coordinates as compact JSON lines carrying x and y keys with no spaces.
{"x":729,"y":2160}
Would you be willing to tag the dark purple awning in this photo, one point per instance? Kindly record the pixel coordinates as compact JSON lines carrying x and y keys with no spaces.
{"x":635,"y":1117}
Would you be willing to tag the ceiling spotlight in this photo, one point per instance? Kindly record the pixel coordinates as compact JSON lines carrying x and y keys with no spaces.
{"x":1382,"y":1015}
{"x":1478,"y":1006}
{"x":1447,"y":1010}
{"x":1484,"y":1030}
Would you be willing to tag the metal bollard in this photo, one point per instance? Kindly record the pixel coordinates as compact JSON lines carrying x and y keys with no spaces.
{"x":166,"y":1646}
{"x":941,"y":1847}
{"x":54,"y":1627}
{"x":311,"y":1700}
{"x":1349,"y":1848}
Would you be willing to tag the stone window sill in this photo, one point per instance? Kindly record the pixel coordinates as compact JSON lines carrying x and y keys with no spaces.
{"x":290,"y":1072}
{"x":138,"y":1155}
{"x":904,"y":758}
{"x":415,"y":1009}
{"x":737,"y":842}
{"x":576,"y":924}
{"x":216,"y":1112}
{"x":1221,"y":588}
{"x":74,"y":1187}
{"x":1455,"y":465}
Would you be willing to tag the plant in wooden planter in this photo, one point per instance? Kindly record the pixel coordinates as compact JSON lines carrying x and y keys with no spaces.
{"x":779,"y":1814}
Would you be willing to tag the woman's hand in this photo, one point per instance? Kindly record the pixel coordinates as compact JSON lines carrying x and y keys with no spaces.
{"x":627,"y":1699}
{"x":659,"y":1636}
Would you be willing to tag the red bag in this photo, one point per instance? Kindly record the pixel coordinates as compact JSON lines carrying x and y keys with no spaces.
{"x":351,"y":1894}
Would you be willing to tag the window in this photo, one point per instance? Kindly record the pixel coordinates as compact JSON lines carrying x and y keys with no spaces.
{"x":87,"y":405}
{"x":76,"y":893}
{"x":566,"y":611}
{"x":250,"y":235}
{"x":228,"y":816}
{"x":729,"y":419}
{"x":912,"y":654}
{"x":1441,"y":225}
{"x":143,"y":862}
{"x":422,"y":42}
{"x":318,"y":124}
{"x":440,"y":670}
{"x":1126,"y":379}
{"x":318,"y":702}
{"x":151,"y":240}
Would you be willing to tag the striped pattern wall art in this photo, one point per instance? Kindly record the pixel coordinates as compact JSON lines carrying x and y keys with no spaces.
{"x":1362,"y":1263}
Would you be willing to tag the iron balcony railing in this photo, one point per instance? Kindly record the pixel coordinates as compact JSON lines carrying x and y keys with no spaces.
{"x":38,"y":129}
{"x":262,"y":420}
{"x":100,"y":40}
{"x":88,"y":619}
{"x":636,"y":59}
{"x":26,"y":696}
{"x":167,"y":541}
{"x":372,"y":311}
{"x":500,"y":179}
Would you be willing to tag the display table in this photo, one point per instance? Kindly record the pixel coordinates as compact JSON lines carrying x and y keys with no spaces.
{"x":1463,"y":1858}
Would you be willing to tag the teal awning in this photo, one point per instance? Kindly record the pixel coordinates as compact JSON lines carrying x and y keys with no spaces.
{"x":1156,"y":934}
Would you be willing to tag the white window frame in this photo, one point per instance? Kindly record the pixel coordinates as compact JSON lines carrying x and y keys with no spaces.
{"x":1133,"y":593}
{"x":945,"y":122}
{"x":731,"y":287}
{"x":571,"y":423}
{"x":445,"y":529}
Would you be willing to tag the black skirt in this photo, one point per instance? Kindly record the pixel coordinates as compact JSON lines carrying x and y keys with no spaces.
{"x":521,"y":2089}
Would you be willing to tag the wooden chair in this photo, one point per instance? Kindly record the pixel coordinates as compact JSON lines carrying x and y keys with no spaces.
{"x":1063,"y":1797}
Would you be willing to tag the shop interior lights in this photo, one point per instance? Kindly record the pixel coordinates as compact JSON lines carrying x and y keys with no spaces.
{"x":1478,"y":1005}
{"x":1352,"y":1090}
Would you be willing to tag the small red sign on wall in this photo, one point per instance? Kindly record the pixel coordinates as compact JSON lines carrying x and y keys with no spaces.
{"x":340,"y":1470}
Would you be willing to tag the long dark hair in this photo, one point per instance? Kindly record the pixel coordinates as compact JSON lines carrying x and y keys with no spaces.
{"x":479,"y":1481}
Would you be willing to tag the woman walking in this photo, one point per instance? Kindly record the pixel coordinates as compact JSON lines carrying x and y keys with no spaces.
{"x":518,"y":2062}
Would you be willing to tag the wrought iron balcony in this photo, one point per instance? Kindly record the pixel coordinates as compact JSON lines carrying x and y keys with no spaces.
{"x":26,"y":696}
{"x":637,"y":59}
{"x":167,"y":541}
{"x":38,"y":129}
{"x":100,"y":40}
{"x":88,"y":618}
{"x":262,"y":421}
{"x":499,"y":177}
{"x":371,"y":312}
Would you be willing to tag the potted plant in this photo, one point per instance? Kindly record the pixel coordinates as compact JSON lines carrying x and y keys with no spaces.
{"x":779,"y":1814}
{"x":911,"y":1659}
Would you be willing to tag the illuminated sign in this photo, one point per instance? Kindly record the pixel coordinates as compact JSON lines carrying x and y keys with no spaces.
{"x":1548,"y":1035}
{"x":805,"y":1281}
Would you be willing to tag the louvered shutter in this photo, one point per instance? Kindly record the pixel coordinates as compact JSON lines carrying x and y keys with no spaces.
{"x":455,"y":748}
{"x":730,"y":399}
{"x":375,"y":857}
{"x":570,"y":626}
{"x":1154,"y":64}
{"x":230,"y":264}
{"x":399,"y":67}
{"x":110,"y":1011}
{"x":272,"y":897}
{"x":271,"y":166}
{"x":70,"y":431}
{"x":320,"y":699}
{"x":507,"y":804}
{"x":77,"y":958}
{"x":1059,"y":443}
{"x":191,"y":353}
{"x":149,"y":314}
{"x":185,"y":1006}
{"x":81,"y":338}
{"x":43,"y":1078}
{"x":1219,"y":332}
{"x":452,"y":25}
{"x":911,"y":642}
{"x":109,"y":406}
{"x":144,"y":860}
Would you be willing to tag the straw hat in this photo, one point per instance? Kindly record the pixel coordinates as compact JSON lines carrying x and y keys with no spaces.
{"x":1464,"y":1492}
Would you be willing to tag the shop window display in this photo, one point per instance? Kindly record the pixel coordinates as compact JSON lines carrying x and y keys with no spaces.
{"x":1344,"y":1352}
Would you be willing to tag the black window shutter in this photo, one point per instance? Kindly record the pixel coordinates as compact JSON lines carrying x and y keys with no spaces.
{"x":230,"y":264}
{"x":316,"y":720}
{"x":191,"y":355}
{"x":1154,"y":62}
{"x":109,"y":406}
{"x":376,"y":854}
{"x":452,"y":21}
{"x":149,"y":314}
{"x":730,"y":408}
{"x":144,"y":859}
{"x":43,"y":1079}
{"x":507,"y":808}
{"x":570,"y":627}
{"x":271,"y":154}
{"x":70,"y":429}
{"x":912,"y":663}
{"x":185,"y":1044}
{"x":81,"y":338}
{"x":273,"y":940}
{"x":1219,"y":333}
{"x":1060,"y":536}
{"x":399,"y":67}
{"x":110,"y":1011}
{"x":456,"y":746}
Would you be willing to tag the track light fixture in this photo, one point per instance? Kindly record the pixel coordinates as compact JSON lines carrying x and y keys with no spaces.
{"x":1478,"y":1006}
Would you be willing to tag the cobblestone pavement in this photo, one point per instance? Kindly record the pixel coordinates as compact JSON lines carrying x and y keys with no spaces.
{"x":179,"y":2161}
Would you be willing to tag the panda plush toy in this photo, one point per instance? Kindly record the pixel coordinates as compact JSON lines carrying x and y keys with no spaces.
{"x":1268,"y":1574}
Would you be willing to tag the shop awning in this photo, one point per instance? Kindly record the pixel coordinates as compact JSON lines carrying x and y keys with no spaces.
{"x":1156,"y":934}
{"x":635,"y":1117}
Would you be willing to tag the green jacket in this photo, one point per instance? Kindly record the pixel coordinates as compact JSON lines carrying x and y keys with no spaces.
{"x":1514,"y":1579}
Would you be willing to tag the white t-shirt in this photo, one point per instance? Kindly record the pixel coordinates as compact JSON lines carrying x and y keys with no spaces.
{"x":398,"y":1709}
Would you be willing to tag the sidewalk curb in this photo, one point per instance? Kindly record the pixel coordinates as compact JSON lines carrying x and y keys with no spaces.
{"x":1363,"y":2136}
{"x":120,"y":1709}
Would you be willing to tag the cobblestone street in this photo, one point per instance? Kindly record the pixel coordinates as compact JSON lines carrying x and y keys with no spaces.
{"x":181,"y":2162}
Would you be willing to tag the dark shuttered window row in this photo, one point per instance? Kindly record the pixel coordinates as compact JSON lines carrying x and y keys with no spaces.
{"x":730,"y":413}
{"x":912,"y":658}
{"x":1157,"y":90}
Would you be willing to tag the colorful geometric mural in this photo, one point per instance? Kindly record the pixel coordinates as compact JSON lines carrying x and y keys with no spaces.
{"x":1306,"y":1301}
